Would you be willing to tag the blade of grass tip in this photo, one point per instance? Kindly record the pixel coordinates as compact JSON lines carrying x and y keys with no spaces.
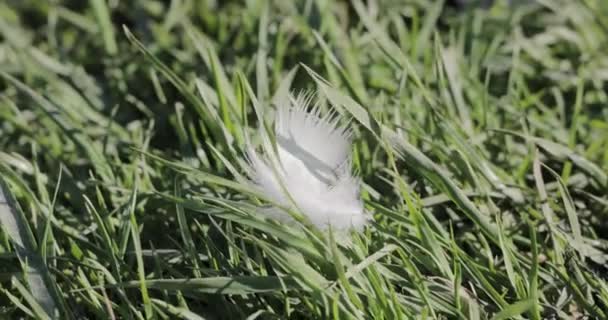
{"x":282,"y":92}
{"x":187,"y":146}
{"x":418,"y":280}
{"x":457,"y":279}
{"x":47,"y":236}
{"x":452,"y":63}
{"x":39,"y":178}
{"x":352,"y":297}
{"x":37,"y":309}
{"x":208,"y":55}
{"x":340,"y":101}
{"x":430,"y":242}
{"x":460,"y":294}
{"x":108,"y":305}
{"x":110,"y":245}
{"x":243,"y":104}
{"x":174,"y":14}
{"x":571,"y":276}
{"x":230,"y":166}
{"x":17,"y":303}
{"x":158,"y":89}
{"x":79,"y":20}
{"x":574,"y":125}
{"x":102,"y":14}
{"x":141,"y":273}
{"x":296,"y":265}
{"x":184,"y":230}
{"x":510,"y":263}
{"x":177,"y":311}
{"x":127,"y":308}
{"x":371,"y":259}
{"x":83,"y":281}
{"x":377,"y":289}
{"x":533,"y":277}
{"x":257,"y":107}
{"x":478,"y":275}
{"x":570,"y":211}
{"x":428,"y":26}
{"x":14,"y":224}
{"x":548,"y":213}
{"x":222,"y":87}
{"x":223,"y":124}
{"x":514,"y":310}
{"x":235,"y":285}
{"x":356,"y":88}
{"x":261,"y":66}
{"x":158,"y":267}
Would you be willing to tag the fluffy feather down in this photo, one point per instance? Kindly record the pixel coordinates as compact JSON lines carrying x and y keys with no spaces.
{"x":312,"y":161}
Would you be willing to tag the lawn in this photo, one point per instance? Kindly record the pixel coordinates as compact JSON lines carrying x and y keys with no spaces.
{"x":479,"y":136}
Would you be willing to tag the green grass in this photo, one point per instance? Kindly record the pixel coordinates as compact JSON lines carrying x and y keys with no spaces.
{"x":481,"y":137}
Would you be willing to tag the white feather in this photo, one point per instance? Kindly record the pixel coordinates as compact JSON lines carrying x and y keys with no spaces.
{"x":312,"y":161}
